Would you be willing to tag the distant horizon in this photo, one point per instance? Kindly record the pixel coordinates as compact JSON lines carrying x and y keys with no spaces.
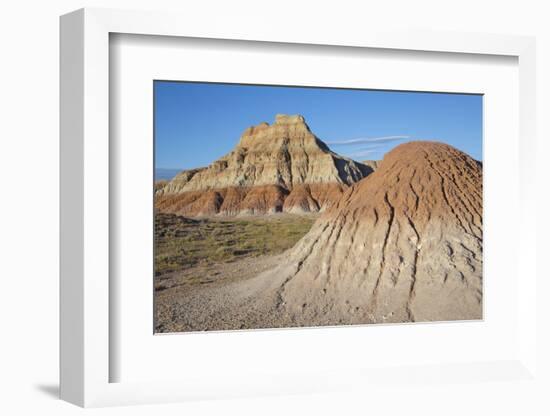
{"x":166,"y":173}
{"x":197,"y":123}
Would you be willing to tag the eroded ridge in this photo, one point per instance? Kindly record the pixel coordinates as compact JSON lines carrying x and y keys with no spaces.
{"x":411,"y":250}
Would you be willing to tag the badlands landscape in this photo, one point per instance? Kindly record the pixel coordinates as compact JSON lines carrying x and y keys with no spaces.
{"x":284,"y":232}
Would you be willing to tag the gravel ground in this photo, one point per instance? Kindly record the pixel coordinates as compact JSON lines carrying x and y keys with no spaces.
{"x":218,"y":297}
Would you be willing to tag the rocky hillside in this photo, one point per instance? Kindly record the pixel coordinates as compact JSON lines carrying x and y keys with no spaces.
{"x":405,"y":244}
{"x":371,"y":163}
{"x":273,"y":168}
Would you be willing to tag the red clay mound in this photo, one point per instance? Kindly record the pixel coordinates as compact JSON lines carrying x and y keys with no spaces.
{"x":404,"y":244}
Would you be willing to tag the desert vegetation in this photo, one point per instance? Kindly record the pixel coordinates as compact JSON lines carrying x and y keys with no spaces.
{"x":185,"y":243}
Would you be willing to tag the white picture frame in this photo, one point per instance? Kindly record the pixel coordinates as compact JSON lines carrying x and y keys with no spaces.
{"x":85,"y":212}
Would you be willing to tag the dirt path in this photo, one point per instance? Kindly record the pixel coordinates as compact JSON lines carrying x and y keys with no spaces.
{"x":221,"y":296}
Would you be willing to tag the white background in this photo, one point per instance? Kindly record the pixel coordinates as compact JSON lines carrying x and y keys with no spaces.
{"x":29,"y":212}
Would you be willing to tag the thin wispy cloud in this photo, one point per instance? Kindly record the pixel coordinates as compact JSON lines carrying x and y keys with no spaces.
{"x":361,"y":140}
{"x":378,"y":148}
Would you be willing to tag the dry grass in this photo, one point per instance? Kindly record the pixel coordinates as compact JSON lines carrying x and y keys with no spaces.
{"x":182,"y":243}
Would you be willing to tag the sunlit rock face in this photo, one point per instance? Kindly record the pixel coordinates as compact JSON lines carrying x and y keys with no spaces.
{"x":273,"y":168}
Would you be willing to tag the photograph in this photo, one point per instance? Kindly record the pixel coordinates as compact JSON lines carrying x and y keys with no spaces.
{"x":299,"y":206}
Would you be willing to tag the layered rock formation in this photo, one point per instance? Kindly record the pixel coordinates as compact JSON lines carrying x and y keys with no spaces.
{"x":273,"y":168}
{"x":403,"y":245}
{"x":371,"y":163}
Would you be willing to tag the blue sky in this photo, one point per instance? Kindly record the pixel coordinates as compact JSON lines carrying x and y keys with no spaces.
{"x":196,"y":123}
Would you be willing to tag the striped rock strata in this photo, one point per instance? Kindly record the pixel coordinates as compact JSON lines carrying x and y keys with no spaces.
{"x":281,"y":167}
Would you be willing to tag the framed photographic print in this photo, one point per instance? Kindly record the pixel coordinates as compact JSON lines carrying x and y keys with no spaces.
{"x":272,"y":213}
{"x":275,"y":229}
